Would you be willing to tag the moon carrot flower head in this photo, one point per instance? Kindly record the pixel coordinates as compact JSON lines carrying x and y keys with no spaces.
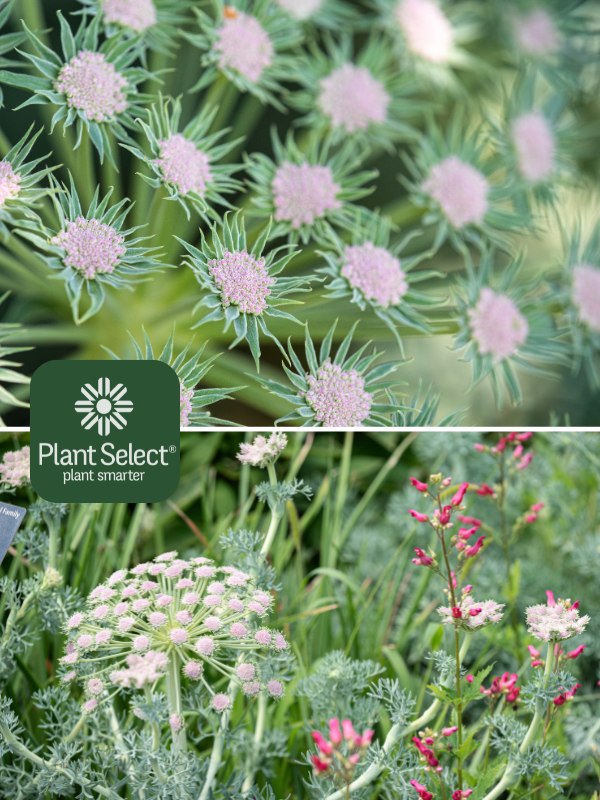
{"x":155,"y":23}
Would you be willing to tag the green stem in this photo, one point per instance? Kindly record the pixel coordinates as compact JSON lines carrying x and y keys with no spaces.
{"x":259,"y":731}
{"x":174,"y":699}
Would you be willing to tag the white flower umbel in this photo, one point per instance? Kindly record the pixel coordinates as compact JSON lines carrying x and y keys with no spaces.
{"x":555,"y":620}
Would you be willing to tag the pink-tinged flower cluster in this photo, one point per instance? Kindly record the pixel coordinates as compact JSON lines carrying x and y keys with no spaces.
{"x":535,"y":146}
{"x":139,"y":15}
{"x":586,"y":294}
{"x":375,"y":272}
{"x":183,"y":165}
{"x":208,"y":620}
{"x":497,"y":326}
{"x":353,"y":98}
{"x":14,"y":467}
{"x":10,"y":182}
{"x":516,"y":441}
{"x":460,"y":190}
{"x":242,"y":280}
{"x":344,"y":749}
{"x":262,"y":450}
{"x":536,"y":33}
{"x":471,"y":614}
{"x":243,"y":45}
{"x":504,"y":685}
{"x":93,"y":86}
{"x":303,"y":193}
{"x":300,"y":9}
{"x":185,"y":405}
{"x":426,"y":29}
{"x":90,"y":247}
{"x":555,"y":620}
{"x":338,"y":397}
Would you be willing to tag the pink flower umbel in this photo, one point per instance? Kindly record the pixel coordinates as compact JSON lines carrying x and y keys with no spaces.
{"x":498,"y":327}
{"x":471,"y":614}
{"x":243,"y":45}
{"x":93,"y":86}
{"x":184,"y":165}
{"x":460,"y":190}
{"x":303,"y":193}
{"x":426,"y":29}
{"x":242,"y":281}
{"x":353,"y":99}
{"x":90,"y":247}
{"x":14,"y":468}
{"x":135,"y":14}
{"x":376,"y":273}
{"x":586,"y":294}
{"x":262,"y":450}
{"x":536,"y":33}
{"x":10,"y":183}
{"x":555,"y":620}
{"x":338,"y":397}
{"x":535,"y":146}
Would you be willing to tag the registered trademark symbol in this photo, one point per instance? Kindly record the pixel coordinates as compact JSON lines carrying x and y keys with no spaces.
{"x":172,"y":448}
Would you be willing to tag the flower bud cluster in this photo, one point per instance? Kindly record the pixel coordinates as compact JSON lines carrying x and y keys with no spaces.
{"x":339,"y":755}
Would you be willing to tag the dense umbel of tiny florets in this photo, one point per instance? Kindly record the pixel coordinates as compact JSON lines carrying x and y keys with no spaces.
{"x":586,"y":294}
{"x":338,"y":397}
{"x":244,"y":45}
{"x":472,"y":614}
{"x":262,"y":450}
{"x":497,"y":326}
{"x":555,"y":620}
{"x":353,"y":99}
{"x":93,"y":86}
{"x":14,"y":467}
{"x":206,"y":619}
{"x":303,"y":193}
{"x":426,"y":29}
{"x":460,"y":190}
{"x":535,"y":146}
{"x":10,"y":182}
{"x":536,"y":33}
{"x":375,"y":272}
{"x":184,"y":165}
{"x":242,"y":280}
{"x":139,"y":15}
{"x":90,"y":247}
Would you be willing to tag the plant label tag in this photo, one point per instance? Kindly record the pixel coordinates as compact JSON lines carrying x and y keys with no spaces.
{"x":11,"y":518}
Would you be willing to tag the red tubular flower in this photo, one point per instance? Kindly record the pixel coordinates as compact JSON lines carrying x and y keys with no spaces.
{"x":323,"y":745}
{"x":551,"y":601}
{"x":529,"y":518}
{"x":421,"y":790}
{"x":449,"y":731}
{"x":460,"y":494}
{"x":335,"y":733}
{"x":320,"y":764}
{"x":473,"y":521}
{"x":537,"y":507}
{"x":475,"y":548}
{"x":466,"y":533}
{"x":525,"y":461}
{"x":577,"y":652}
{"x":445,"y":515}
{"x":458,"y":794}
{"x":456,"y":612}
{"x":484,"y":490}
{"x":419,"y":485}
{"x":348,"y":730}
{"x":481,"y":448}
{"x":422,"y":559}
{"x":418,"y":515}
{"x":523,"y":437}
{"x":366,"y":738}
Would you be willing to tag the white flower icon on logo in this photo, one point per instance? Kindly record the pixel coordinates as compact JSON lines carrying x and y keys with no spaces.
{"x":104,"y":406}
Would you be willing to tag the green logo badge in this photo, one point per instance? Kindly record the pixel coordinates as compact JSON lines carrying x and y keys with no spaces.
{"x":104,"y":431}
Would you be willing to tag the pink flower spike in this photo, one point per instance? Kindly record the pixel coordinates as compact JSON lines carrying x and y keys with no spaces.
{"x":335,"y":733}
{"x":460,"y":494}
{"x":576,"y":652}
{"x":418,"y":515}
{"x":419,"y":485}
